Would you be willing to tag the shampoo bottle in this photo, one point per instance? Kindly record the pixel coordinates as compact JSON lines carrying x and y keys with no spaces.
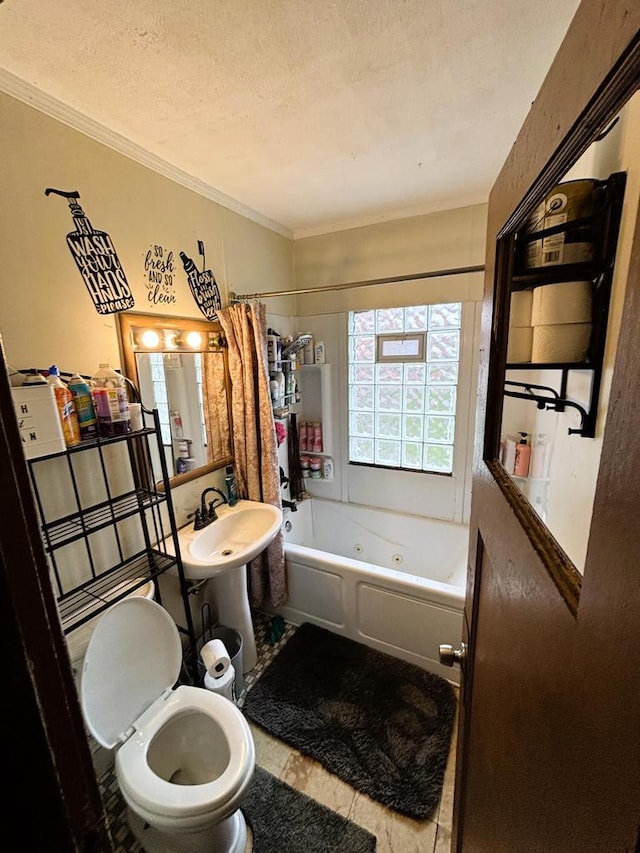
{"x":66,"y":409}
{"x":83,"y":402}
{"x":232,"y":485}
{"x":523,"y":457}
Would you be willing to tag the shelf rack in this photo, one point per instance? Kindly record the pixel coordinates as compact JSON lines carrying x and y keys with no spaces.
{"x":146,"y":506}
{"x":604,"y":225}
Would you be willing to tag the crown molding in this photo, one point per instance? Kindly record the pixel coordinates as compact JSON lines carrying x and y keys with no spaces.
{"x":54,"y":108}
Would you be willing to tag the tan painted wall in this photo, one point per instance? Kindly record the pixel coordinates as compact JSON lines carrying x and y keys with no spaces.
{"x":46,"y":313}
{"x":444,"y":240}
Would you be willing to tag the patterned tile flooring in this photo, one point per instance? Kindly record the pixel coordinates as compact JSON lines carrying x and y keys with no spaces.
{"x":395,"y":833}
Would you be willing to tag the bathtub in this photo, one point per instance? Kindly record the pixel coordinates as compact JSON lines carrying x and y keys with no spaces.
{"x":395,"y":583}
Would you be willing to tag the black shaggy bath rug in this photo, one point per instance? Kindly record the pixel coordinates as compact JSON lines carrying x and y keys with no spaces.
{"x":283,"y":819}
{"x":378,"y":723}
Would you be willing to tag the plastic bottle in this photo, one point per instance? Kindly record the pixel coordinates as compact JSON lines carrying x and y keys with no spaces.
{"x":309,"y":354}
{"x":109,"y":393}
{"x":523,"y":457}
{"x":83,"y":403}
{"x":232,"y":485}
{"x":66,"y":409}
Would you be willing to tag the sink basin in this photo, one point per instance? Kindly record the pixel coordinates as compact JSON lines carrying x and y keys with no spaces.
{"x":219,"y":553}
{"x":240,"y":533}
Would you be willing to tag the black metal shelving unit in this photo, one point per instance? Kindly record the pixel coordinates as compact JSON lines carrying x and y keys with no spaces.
{"x":603,"y":225}
{"x":140,"y":518}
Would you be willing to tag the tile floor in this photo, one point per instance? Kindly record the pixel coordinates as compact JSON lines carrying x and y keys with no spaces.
{"x":395,"y":833}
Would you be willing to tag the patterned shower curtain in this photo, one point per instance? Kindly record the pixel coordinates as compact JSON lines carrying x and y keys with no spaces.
{"x":254,"y":438}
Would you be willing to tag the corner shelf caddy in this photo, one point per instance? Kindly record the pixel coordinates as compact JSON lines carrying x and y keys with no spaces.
{"x":604,"y":224}
{"x":143,"y":505}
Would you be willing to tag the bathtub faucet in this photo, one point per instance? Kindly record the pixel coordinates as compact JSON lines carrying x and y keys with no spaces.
{"x":205,"y":515}
{"x":292,"y":505}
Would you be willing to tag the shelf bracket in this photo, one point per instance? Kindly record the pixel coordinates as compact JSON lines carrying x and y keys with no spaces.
{"x":549,"y":399}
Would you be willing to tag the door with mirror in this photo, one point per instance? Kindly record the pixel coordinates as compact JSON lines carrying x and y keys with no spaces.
{"x":546,"y":755}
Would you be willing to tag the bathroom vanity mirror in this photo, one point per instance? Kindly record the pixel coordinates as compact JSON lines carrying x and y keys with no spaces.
{"x":561,"y":280}
{"x":180,"y":367}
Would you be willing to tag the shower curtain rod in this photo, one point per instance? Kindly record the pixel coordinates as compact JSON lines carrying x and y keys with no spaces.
{"x":245,"y":297}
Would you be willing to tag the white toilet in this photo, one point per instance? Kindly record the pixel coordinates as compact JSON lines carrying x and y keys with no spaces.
{"x":184,"y":757}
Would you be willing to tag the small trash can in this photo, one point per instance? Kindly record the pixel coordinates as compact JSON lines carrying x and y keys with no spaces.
{"x":232,"y":640}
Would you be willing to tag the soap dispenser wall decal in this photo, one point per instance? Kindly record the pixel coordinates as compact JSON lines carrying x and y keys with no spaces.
{"x":204,"y":287}
{"x":96,"y":258}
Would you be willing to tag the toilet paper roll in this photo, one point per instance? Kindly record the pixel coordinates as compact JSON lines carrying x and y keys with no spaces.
{"x":562,"y":342}
{"x":519,"y":344}
{"x":215,"y":658}
{"x":520,"y":311}
{"x":564,"y":302}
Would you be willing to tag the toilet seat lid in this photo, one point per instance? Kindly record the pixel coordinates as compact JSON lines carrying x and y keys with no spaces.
{"x":133,"y":657}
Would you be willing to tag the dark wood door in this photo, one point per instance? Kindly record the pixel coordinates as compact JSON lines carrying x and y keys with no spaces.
{"x":549,"y":738}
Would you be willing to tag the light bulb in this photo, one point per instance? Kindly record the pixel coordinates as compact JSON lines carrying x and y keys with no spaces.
{"x":171,"y":339}
{"x":194,"y":340}
{"x":150,"y":339}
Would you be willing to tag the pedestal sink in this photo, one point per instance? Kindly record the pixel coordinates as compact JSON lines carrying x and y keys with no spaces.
{"x":220,"y":552}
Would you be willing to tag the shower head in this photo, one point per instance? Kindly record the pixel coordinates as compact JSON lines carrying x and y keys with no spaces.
{"x":295,"y":346}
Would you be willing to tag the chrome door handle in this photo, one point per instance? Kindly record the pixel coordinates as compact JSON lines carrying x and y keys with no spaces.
{"x":449,"y":655}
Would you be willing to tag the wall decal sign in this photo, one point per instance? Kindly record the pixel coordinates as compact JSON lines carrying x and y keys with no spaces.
{"x":204,"y":287}
{"x":96,"y":258}
{"x":159,"y":267}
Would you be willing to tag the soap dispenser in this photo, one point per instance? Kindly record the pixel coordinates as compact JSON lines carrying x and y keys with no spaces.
{"x":232,"y":485}
{"x":523,"y":456}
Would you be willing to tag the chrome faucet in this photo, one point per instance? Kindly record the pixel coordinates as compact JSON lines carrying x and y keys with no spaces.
{"x":203,"y":515}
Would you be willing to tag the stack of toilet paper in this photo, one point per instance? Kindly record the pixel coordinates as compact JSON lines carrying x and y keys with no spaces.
{"x":520,"y":339}
{"x":215,"y":658}
{"x":561,"y":319}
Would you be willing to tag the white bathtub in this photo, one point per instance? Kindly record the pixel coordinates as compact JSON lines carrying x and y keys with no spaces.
{"x":403,"y":595}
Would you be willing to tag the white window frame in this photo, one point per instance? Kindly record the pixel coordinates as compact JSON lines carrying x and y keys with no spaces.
{"x":419,"y":492}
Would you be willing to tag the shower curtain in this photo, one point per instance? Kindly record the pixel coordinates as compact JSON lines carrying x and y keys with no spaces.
{"x":254,"y":438}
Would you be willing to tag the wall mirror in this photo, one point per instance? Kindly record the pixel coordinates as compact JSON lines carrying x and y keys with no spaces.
{"x":561,"y":277}
{"x":180,"y":367}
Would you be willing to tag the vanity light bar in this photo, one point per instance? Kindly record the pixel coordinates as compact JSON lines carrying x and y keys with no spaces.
{"x":174,"y":340}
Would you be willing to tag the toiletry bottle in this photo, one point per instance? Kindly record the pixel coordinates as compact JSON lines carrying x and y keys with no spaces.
{"x":109,"y":393}
{"x":232,"y":485}
{"x":523,"y":457}
{"x":308,"y":352}
{"x":66,"y":409}
{"x":83,"y":402}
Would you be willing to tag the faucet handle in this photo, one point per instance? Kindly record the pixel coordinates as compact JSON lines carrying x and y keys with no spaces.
{"x":213,"y":515}
{"x":197,"y":519}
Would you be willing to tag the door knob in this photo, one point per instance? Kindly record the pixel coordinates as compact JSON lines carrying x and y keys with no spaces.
{"x":449,"y":655}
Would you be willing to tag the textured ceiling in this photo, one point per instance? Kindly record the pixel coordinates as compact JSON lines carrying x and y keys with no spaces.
{"x":314,"y":115}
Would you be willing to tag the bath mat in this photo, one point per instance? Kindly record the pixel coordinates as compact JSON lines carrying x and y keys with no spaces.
{"x":380,"y":724}
{"x":283,"y":819}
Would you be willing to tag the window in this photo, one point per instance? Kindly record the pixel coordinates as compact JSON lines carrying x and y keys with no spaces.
{"x":402,"y":410}
{"x":160,"y":394}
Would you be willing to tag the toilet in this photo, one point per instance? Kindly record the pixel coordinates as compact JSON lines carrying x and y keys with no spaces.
{"x":184,"y":757}
{"x":78,"y":639}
